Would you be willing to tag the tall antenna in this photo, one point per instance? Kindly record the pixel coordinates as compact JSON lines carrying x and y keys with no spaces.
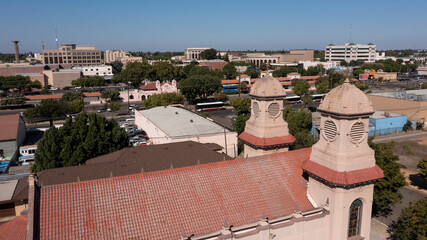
{"x":56,"y":37}
{"x":350,"y":32}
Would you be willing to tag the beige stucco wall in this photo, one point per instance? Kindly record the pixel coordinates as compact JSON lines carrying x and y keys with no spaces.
{"x":61,"y":79}
{"x":415,"y":110}
{"x":157,"y":136}
{"x":340,"y":201}
{"x":20,"y":206}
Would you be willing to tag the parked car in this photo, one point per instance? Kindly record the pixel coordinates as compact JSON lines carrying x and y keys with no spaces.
{"x":100,"y":110}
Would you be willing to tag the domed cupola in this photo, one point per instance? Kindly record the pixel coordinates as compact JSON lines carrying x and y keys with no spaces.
{"x":266,"y":132}
{"x":344,"y":126}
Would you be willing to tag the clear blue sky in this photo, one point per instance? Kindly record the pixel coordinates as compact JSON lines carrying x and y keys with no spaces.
{"x":173,"y":25}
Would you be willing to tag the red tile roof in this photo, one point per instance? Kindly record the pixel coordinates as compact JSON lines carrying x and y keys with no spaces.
{"x":9,"y":127}
{"x":232,"y":81}
{"x":266,"y":142}
{"x":43,"y":97}
{"x":15,"y":229}
{"x":92,"y":94}
{"x":343,"y":178}
{"x":163,"y":204}
{"x":148,"y":87}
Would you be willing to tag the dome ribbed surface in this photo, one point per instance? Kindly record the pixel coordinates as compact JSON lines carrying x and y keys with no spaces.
{"x":267,"y":87}
{"x":346,"y":99}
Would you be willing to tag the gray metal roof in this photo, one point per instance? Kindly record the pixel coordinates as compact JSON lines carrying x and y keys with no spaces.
{"x":179,"y":123}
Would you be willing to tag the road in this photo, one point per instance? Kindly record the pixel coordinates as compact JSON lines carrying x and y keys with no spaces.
{"x":400,"y":136}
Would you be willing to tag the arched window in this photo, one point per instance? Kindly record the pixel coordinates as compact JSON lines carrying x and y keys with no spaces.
{"x":355,"y":215}
{"x":131,"y":97}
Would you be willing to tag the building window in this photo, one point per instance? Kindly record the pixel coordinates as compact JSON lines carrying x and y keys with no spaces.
{"x":354,"y":218}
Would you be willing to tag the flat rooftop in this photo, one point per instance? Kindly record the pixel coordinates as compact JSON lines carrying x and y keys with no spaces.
{"x":180,"y":123}
{"x":384,"y":114}
{"x":415,"y":95}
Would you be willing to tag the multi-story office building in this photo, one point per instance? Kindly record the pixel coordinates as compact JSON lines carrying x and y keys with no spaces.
{"x":350,"y":51}
{"x":193,"y":53}
{"x":72,"y":54}
{"x":113,"y":55}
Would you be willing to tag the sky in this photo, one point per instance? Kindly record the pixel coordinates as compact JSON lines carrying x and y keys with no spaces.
{"x":174,"y":25}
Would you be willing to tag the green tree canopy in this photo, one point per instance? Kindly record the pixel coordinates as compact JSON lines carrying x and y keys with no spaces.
{"x":386,"y":190}
{"x":71,"y":96}
{"x":299,"y":124}
{"x":301,"y":88}
{"x":412,"y":223}
{"x":17,"y":82}
{"x":422,"y":166}
{"x":115,"y":106}
{"x":77,"y":141}
{"x":240,"y":122}
{"x":322,"y":85}
{"x":252,"y":73}
{"x":117,"y":66}
{"x":48,"y":110}
{"x":89,"y":81}
{"x":230,"y":71}
{"x":208,"y":54}
{"x":13,"y":99}
{"x":135,"y":73}
{"x":164,"y":99}
{"x":241,"y":105}
{"x":284,"y":71}
{"x":200,"y":86}
{"x":110,"y":94}
{"x":314,"y":70}
{"x":166,"y":71}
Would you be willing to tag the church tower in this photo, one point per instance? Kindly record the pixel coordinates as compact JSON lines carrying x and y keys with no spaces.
{"x":342,"y":168}
{"x":266,"y":132}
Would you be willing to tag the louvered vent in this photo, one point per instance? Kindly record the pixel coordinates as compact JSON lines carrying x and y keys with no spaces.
{"x":256,"y":108}
{"x":330,"y":130}
{"x":357,"y":132}
{"x":273,"y":109}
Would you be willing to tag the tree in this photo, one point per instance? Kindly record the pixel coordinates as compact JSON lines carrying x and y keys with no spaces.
{"x":419,"y":126}
{"x":299,"y":124}
{"x":362,"y":86}
{"x":241,"y":105}
{"x":13,"y":99}
{"x":322,"y":85}
{"x":283,"y":72}
{"x":110,"y":94}
{"x":357,"y":72}
{"x":45,"y":90}
{"x":422,"y":166}
{"x":314,"y":70}
{"x":77,"y":141}
{"x":208,"y":54}
{"x":240,"y":122}
{"x":164,"y":99}
{"x":252,"y":73}
{"x":48,"y":110}
{"x":243,"y":87}
{"x":412,"y":222}
{"x":230,"y":71}
{"x":166,"y":71}
{"x":386,"y":190}
{"x":407,"y":126}
{"x":17,"y":82}
{"x":221,"y":96}
{"x":200,"y":86}
{"x":117,"y":66}
{"x":89,"y":81}
{"x":301,"y":88}
{"x":71,"y":96}
{"x":115,"y":106}
{"x":188,"y":68}
{"x":136,"y":72}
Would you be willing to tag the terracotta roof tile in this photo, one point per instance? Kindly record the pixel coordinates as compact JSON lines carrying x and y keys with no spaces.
{"x":43,"y":97}
{"x":92,"y":94}
{"x":232,"y":81}
{"x":265,"y":142}
{"x":149,"y":86}
{"x":15,"y":229}
{"x":163,"y":204}
{"x":9,"y":127}
{"x":343,"y":178}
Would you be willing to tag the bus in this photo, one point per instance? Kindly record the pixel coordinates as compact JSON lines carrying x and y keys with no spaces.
{"x":297,"y":99}
{"x":211,"y":106}
{"x":230,"y":88}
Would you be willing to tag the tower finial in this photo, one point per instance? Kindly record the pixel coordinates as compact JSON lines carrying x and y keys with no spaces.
{"x":347,"y":73}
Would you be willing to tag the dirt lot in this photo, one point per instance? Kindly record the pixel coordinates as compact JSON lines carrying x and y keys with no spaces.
{"x":410,"y":152}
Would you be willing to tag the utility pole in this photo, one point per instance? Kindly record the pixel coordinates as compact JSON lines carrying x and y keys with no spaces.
{"x":128,"y":96}
{"x":225,"y":140}
{"x":83,"y":96}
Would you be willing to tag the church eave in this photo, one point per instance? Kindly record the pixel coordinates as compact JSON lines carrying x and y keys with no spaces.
{"x":342,"y":179}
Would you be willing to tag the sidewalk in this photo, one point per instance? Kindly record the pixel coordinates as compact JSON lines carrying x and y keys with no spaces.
{"x":400,"y":136}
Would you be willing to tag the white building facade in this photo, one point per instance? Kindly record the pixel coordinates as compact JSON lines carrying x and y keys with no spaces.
{"x":113,"y":55}
{"x":194,"y":53}
{"x":101,"y":70}
{"x":350,"y":52}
